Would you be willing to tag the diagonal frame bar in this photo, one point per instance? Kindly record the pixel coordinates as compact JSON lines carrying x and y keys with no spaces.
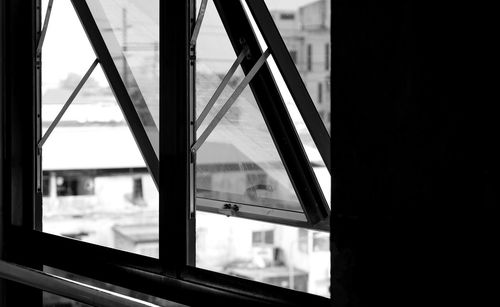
{"x":231,"y":100}
{"x":68,"y":103}
{"x":292,"y":78}
{"x":119,"y":89}
{"x":275,"y":114}
{"x":199,"y":20}
{"x":117,"y":53}
{"x":45,"y":26}
{"x":221,"y":87}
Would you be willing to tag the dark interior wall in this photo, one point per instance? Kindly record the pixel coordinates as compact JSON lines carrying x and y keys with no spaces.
{"x":414,"y":150}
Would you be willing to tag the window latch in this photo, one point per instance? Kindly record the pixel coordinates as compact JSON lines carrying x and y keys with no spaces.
{"x":229,"y":210}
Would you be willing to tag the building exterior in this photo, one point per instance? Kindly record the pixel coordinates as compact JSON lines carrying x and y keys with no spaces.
{"x":306,"y":33}
{"x":97,"y":189}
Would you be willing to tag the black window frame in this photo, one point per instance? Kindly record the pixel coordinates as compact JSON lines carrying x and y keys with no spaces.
{"x":171,"y":276}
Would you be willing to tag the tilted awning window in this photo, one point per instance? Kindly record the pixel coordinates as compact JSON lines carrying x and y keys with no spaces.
{"x":251,"y":160}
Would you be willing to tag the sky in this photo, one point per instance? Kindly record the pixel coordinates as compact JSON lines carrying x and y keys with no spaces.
{"x":67,"y":50}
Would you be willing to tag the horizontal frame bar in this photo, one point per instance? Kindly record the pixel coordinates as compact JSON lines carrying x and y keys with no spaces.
{"x":64,"y":287}
{"x":113,"y":266}
{"x":263,"y":214}
{"x":236,"y":284}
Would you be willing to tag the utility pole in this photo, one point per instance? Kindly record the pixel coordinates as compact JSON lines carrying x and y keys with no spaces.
{"x":124,"y":45}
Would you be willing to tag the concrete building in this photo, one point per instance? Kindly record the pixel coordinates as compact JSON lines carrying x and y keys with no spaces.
{"x":97,"y":189}
{"x":306,"y":33}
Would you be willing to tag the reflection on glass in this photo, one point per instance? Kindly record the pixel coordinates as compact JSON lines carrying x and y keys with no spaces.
{"x":130,"y":29}
{"x":284,"y":256}
{"x":96,"y":187}
{"x":239,"y":162}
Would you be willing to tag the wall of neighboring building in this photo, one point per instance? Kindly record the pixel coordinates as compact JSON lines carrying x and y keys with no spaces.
{"x":315,"y":15}
{"x":308,"y":34}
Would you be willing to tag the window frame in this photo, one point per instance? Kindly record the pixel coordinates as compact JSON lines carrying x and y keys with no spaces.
{"x":276,"y":117}
{"x":30,"y":247}
{"x":293,"y":156}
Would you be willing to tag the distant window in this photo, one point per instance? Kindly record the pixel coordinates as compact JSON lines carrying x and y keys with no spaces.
{"x":321,"y":242}
{"x":287,"y":16}
{"x":265,"y":237}
{"x":320,"y":93}
{"x":137,"y":188}
{"x":327,"y":56}
{"x":303,"y":240}
{"x":293,"y":54}
{"x":309,"y":57}
{"x":74,"y":183}
{"x":46,"y":185}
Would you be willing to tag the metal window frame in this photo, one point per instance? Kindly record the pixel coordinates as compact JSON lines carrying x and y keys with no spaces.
{"x":276,"y":117}
{"x":119,"y":89}
{"x":171,"y":277}
{"x":292,"y":78}
{"x":20,"y":72}
{"x":67,"y":288}
{"x":177,"y":117}
{"x":191,"y":286}
{"x":293,"y":157}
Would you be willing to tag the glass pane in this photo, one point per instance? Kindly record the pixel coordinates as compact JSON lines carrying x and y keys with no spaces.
{"x":322,"y":174}
{"x":240,"y":153}
{"x":130,"y":29}
{"x":63,"y":64}
{"x":304,"y":26}
{"x":96,"y":187}
{"x":239,"y":162}
{"x":279,"y":255}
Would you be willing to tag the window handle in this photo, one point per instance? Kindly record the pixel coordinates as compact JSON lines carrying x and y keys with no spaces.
{"x":229,"y":210}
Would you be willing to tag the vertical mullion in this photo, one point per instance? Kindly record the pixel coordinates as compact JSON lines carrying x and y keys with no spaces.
{"x":176,"y":134}
{"x":38,"y":109}
{"x":18,"y":37}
